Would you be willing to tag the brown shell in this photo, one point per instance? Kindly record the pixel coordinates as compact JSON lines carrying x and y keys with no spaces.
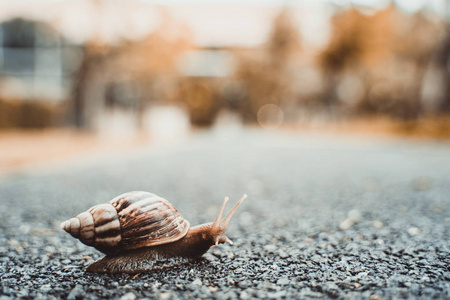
{"x":129,"y":221}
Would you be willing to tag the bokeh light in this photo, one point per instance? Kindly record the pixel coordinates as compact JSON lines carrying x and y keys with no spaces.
{"x":270,"y":116}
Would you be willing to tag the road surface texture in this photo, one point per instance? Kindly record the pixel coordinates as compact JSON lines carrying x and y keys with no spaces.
{"x":326,"y":217}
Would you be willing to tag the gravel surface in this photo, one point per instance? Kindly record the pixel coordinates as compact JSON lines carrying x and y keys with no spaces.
{"x":326,"y":217}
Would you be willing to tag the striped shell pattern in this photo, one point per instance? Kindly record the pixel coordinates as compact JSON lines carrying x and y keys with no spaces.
{"x":129,"y":221}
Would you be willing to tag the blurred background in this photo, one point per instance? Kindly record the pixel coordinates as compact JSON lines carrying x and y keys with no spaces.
{"x":82,"y":75}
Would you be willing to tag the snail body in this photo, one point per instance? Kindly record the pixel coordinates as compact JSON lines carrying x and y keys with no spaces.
{"x":140,"y":232}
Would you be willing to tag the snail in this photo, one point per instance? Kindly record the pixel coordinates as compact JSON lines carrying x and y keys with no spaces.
{"x":140,"y":232}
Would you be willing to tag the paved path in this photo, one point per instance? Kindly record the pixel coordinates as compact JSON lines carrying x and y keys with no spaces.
{"x":325,"y":217}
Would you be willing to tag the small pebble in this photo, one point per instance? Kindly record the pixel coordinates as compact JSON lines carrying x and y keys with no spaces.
{"x":197,"y":282}
{"x":377,"y":224}
{"x":353,"y":217}
{"x":283,"y":281}
{"x":128,"y":296}
{"x":76,"y":293}
{"x":165,"y":295}
{"x":413,"y":231}
{"x":45,"y":288}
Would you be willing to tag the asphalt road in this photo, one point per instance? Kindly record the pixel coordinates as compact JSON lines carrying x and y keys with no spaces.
{"x":326,"y":216}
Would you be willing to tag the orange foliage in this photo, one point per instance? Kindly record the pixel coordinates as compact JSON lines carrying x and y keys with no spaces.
{"x":201,"y":97}
{"x":358,"y":38}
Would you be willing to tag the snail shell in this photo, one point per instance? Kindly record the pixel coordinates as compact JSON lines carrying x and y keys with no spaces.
{"x":129,"y":221}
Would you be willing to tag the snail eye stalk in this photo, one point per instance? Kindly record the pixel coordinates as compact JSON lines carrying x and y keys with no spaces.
{"x":227,"y":219}
{"x":216,"y":224}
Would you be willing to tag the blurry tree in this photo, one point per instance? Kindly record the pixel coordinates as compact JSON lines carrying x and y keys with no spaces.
{"x":202,"y":98}
{"x":357,"y":42}
{"x":146,"y":67}
{"x":389,"y":51}
{"x":265,"y":74}
{"x":92,"y":58}
{"x":442,"y":60}
{"x":415,"y":43}
{"x":152,"y":62}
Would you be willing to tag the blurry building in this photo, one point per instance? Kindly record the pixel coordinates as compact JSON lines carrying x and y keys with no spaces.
{"x":35,"y":61}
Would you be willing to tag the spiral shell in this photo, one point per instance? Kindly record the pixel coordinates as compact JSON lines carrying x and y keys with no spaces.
{"x":129,"y":221}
